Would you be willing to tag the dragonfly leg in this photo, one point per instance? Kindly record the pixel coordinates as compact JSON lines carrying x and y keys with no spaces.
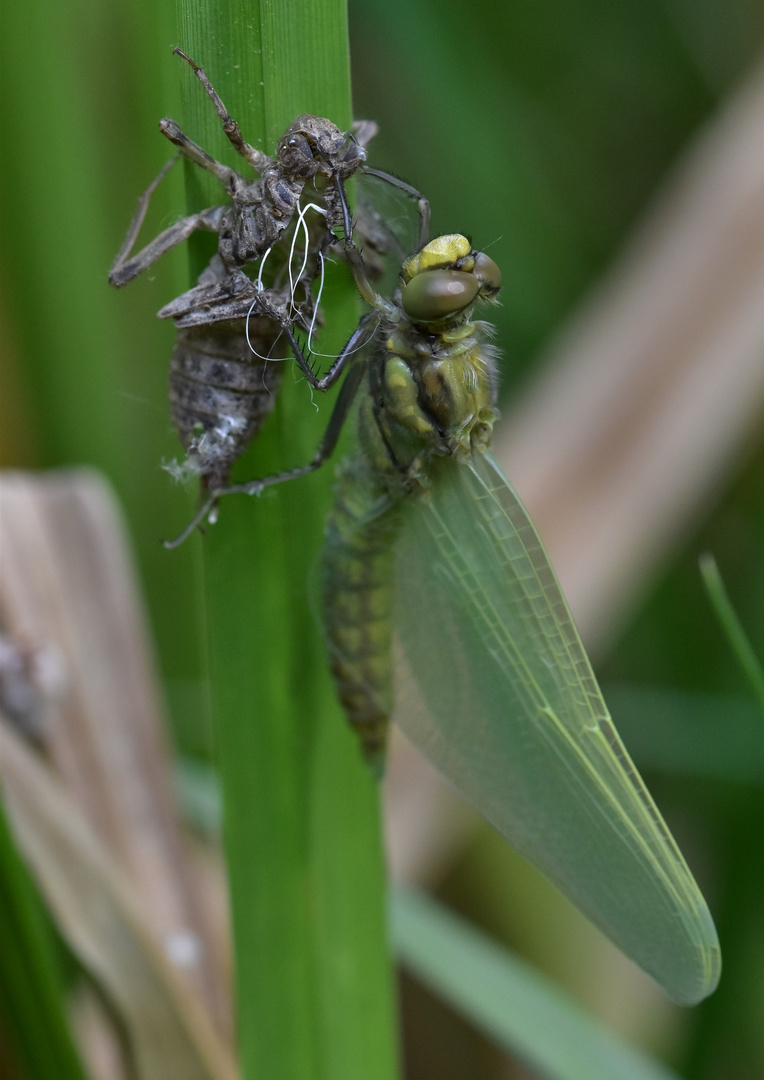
{"x":125,"y":268}
{"x":227,"y":177}
{"x":256,"y":158}
{"x":355,"y":342}
{"x":353,"y":255}
{"x":204,"y":511}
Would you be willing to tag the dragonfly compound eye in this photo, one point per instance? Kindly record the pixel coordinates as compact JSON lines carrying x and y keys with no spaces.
{"x":295,"y":154}
{"x":488,"y":274}
{"x":439,"y":294}
{"x":354,"y":155}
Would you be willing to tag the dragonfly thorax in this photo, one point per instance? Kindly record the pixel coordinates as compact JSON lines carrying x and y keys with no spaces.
{"x":431,"y":396}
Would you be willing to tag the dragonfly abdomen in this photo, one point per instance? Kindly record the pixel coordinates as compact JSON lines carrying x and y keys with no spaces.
{"x":221,"y":393}
{"x":358,"y":608}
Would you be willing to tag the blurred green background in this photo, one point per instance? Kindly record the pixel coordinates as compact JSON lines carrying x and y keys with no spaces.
{"x":540,"y":129}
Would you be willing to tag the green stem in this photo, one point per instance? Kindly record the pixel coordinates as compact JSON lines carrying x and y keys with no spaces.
{"x":301,"y":810}
{"x":32,"y":993}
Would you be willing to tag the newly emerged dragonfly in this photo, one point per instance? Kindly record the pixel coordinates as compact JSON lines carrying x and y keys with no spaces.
{"x":443,"y":612}
{"x":222,"y":383}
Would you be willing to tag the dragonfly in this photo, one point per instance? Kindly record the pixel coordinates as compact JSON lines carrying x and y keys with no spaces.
{"x":223,"y":382}
{"x":442,"y":612}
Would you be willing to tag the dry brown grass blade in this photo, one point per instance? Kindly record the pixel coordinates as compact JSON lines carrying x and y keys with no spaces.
{"x":70,"y":605}
{"x":644,"y":405}
{"x":67,"y":587}
{"x":101,"y":916}
{"x":649,"y":396}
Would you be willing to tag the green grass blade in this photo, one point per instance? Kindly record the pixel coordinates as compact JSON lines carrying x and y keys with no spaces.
{"x":80,"y":142}
{"x":32,"y":994}
{"x":509,"y":1002}
{"x":731,"y":625}
{"x":301,"y":826}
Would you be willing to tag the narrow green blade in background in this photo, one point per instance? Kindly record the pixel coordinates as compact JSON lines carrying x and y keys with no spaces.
{"x":511,"y":1003}
{"x":32,"y":992}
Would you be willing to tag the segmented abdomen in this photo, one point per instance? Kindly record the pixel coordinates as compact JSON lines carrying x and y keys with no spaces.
{"x":221,"y":393}
{"x":358,"y":609}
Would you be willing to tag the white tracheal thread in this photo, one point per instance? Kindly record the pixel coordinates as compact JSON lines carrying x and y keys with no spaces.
{"x":260,"y":288}
{"x":316,"y":308}
{"x":318,"y":299}
{"x":252,"y":306}
{"x":293,"y":281}
{"x":302,"y":225}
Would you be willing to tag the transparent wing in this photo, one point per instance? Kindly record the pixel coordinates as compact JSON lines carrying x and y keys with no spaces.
{"x":495,"y":687}
{"x":393,"y":208}
{"x":386,"y":229}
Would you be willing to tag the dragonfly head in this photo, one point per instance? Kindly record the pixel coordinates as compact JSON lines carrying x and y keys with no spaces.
{"x":311,"y":146}
{"x":445,"y":278}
